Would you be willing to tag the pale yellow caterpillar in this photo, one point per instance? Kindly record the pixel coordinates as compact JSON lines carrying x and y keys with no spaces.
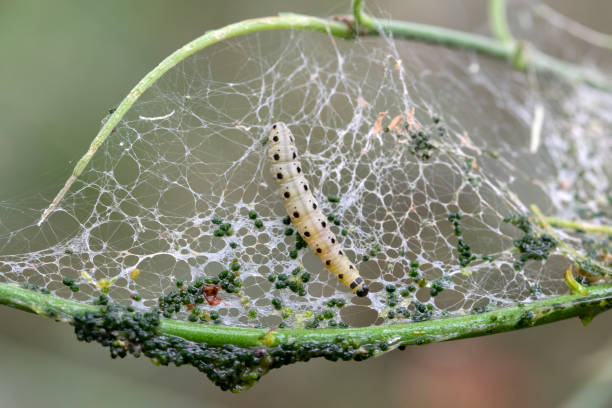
{"x":304,"y":210}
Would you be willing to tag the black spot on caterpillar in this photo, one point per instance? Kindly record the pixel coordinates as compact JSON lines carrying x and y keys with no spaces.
{"x":304,"y":210}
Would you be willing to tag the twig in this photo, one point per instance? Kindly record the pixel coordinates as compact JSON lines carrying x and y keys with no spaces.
{"x":498,"y":22}
{"x":597,"y":299}
{"x":578,"y":225}
{"x":572,"y":283}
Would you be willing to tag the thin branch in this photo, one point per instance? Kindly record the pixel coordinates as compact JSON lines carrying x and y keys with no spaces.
{"x":572,"y":283}
{"x":578,"y":225}
{"x":498,"y":21}
{"x":519,"y":55}
{"x":596,"y":300}
{"x":431,"y":34}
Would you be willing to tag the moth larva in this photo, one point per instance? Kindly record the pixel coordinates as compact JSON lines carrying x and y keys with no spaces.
{"x":304,"y":210}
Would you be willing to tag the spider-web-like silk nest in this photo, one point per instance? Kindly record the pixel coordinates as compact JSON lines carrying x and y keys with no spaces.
{"x":193,"y":148}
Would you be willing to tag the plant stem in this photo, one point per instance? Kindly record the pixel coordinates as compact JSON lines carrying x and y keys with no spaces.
{"x":596,"y":300}
{"x":577,"y":225}
{"x":498,"y":21}
{"x":366,"y":25}
{"x":520,"y":56}
{"x":572,"y":283}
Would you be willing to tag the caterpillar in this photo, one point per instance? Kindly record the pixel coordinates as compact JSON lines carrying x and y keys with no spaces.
{"x":304,"y":210}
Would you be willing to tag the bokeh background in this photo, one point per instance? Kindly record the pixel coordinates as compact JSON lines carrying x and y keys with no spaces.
{"x":65,"y":63}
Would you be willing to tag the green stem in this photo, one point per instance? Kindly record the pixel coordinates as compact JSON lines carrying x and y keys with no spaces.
{"x":516,"y":53}
{"x":573,"y":284}
{"x":577,"y":225}
{"x":498,"y":21}
{"x":596,"y":300}
{"x":366,"y":25}
{"x":431,"y":34}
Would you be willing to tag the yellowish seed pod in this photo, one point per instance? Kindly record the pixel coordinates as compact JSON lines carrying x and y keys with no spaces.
{"x":304,"y":210}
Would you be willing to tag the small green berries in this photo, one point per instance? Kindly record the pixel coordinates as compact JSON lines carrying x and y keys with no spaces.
{"x":70,"y":283}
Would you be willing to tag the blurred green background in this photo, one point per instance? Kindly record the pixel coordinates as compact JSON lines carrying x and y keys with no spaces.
{"x":65,"y":63}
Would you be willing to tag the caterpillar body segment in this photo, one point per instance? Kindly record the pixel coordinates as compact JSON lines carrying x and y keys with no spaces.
{"x":304,"y":210}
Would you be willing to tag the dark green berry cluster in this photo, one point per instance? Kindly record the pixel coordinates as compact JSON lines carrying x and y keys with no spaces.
{"x":420,"y":145}
{"x":299,"y":244}
{"x":455,"y":218}
{"x":374,"y":249}
{"x":520,"y":221}
{"x":229,"y":367}
{"x":339,"y":303}
{"x":257,"y":222}
{"x":228,"y":279}
{"x":335,"y":219}
{"x":439,"y":285}
{"x":414,"y":273}
{"x":186,"y":296}
{"x":465,"y":252}
{"x":393,"y":301}
{"x":295,"y":282}
{"x":224,"y":228}
{"x":530,"y":245}
{"x":101,"y":300}
{"x":123,"y":332}
{"x":422,"y":312}
{"x":70,"y":283}
{"x":325,"y":316}
{"x":277,"y":303}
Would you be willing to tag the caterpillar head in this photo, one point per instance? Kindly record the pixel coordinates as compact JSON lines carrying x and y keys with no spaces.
{"x":363,"y":291}
{"x":280,"y":134}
